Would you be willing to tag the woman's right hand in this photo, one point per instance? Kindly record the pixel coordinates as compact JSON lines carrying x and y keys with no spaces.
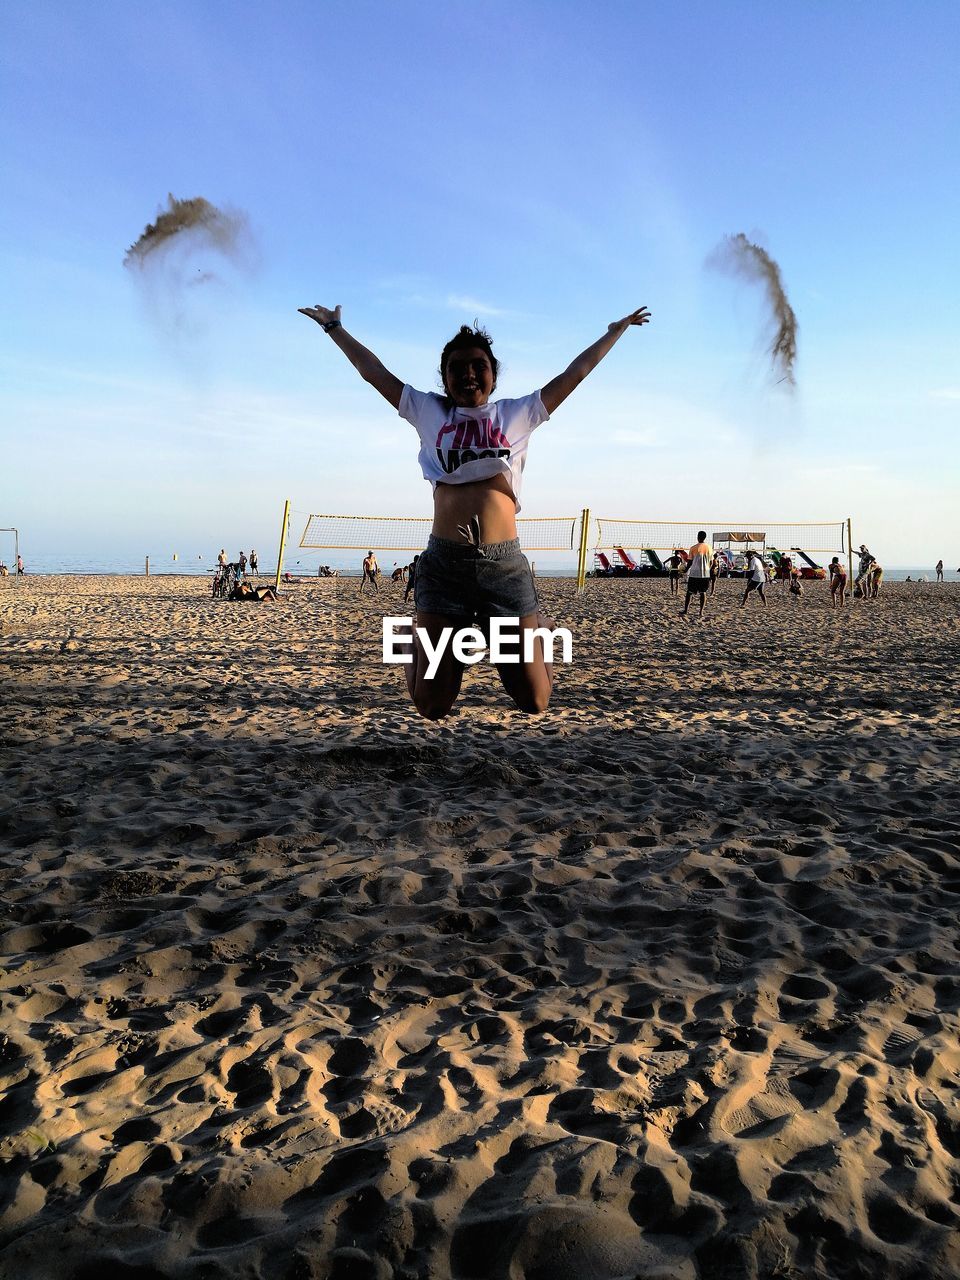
{"x":322,"y":315}
{"x":640,"y":316}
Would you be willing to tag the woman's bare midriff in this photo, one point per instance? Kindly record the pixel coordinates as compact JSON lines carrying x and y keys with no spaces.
{"x":491,"y":500}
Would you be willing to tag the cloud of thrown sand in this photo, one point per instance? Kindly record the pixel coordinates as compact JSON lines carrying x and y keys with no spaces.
{"x":738,"y":256}
{"x":180,"y":254}
{"x":196,"y":224}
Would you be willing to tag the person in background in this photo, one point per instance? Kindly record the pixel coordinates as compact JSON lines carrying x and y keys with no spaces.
{"x":20,"y":569}
{"x":939,"y":570}
{"x":698,"y":572}
{"x":254,"y":567}
{"x":411,"y":578}
{"x":756,"y":577}
{"x":370,"y":571}
{"x":242,"y":561}
{"x":674,"y":564}
{"x":860,"y":581}
{"x":838,"y":583}
{"x":784,"y":570}
{"x":714,"y":572}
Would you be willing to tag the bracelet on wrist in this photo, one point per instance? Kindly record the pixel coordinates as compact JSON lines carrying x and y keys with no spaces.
{"x":331,"y":324}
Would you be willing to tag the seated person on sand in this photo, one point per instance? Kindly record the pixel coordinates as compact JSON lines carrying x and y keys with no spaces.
{"x":796,"y":586}
{"x":245,"y":591}
{"x":472,"y":451}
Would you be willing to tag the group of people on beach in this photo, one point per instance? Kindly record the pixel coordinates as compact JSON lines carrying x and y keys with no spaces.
{"x":242,"y":562}
{"x":702,"y":566}
{"x":402,"y":573}
{"x":230,"y":578}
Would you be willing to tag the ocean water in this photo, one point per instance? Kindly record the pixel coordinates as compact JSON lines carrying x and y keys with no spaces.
{"x":305,"y":565}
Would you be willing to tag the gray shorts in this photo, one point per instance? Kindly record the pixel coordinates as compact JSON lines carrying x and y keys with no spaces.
{"x":454,"y":578}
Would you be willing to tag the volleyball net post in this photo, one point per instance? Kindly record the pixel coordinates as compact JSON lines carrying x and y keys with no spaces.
{"x":849,"y":551}
{"x":16,"y":549}
{"x":584,"y":542}
{"x":284,"y":527}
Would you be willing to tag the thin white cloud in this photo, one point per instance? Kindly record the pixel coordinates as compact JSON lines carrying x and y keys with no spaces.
{"x":645,"y":437}
{"x":854,"y":470}
{"x":417,"y":291}
{"x":458,"y":302}
{"x":945,"y":393}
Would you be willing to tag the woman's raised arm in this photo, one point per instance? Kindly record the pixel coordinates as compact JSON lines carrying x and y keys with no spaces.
{"x":364,"y":361}
{"x":557,"y":390}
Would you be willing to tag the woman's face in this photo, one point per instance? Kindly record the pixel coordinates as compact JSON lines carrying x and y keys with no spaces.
{"x":468,"y":377}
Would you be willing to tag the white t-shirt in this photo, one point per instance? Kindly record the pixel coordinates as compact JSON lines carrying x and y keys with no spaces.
{"x":755,"y":564}
{"x":700,"y":557}
{"x":458,"y":446}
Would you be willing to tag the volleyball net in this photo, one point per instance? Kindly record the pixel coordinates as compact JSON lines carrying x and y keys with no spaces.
{"x":667,"y":535}
{"x":581,"y":534}
{"x":402,"y":533}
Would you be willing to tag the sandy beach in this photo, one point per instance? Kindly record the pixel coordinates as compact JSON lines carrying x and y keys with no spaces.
{"x":662,"y":983}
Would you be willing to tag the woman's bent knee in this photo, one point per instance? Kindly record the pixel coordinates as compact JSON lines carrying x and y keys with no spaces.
{"x":432,"y":707}
{"x":531,"y":703}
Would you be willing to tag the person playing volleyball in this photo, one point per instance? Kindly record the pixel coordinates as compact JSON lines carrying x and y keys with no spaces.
{"x":756,"y":577}
{"x":699,"y":560}
{"x":472,"y":451}
{"x":369,"y":571}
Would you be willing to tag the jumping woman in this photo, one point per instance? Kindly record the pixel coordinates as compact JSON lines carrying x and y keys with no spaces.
{"x":472,"y":450}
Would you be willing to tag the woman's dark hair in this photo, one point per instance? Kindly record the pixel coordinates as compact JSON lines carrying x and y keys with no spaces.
{"x":462,"y":340}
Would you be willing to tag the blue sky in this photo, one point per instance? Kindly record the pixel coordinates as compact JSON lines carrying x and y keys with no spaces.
{"x":543,"y":167}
